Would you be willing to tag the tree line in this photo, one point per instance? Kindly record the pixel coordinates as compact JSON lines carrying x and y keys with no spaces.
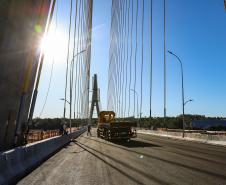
{"x":144,"y":122}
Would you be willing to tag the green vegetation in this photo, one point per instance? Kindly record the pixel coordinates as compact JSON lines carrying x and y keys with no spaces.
{"x":218,"y":128}
{"x":55,"y":123}
{"x":145,"y":122}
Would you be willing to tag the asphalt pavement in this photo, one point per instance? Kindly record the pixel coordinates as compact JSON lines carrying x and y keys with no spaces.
{"x":89,"y":160}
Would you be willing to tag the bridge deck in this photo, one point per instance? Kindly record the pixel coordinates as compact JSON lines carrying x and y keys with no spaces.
{"x":145,"y":160}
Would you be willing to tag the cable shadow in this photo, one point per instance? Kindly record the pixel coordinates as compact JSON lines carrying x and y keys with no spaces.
{"x":130,"y":144}
{"x":153,"y":145}
{"x":166,"y":161}
{"x":67,"y":146}
{"x":78,"y":152}
{"x":134,"y":144}
{"x":122,"y":163}
{"x":184,"y":153}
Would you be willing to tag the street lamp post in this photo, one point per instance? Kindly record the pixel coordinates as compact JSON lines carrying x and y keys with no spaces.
{"x":188,"y":101}
{"x":78,"y":54}
{"x":70,"y":91}
{"x":71,"y":85}
{"x":135,"y":92}
{"x":63,"y":99}
{"x":182,"y":84}
{"x":65,"y":86}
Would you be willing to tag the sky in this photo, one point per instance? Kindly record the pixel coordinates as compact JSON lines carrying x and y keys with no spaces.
{"x":195,"y":31}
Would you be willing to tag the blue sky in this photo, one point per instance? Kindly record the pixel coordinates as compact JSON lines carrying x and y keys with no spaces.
{"x":195,"y":31}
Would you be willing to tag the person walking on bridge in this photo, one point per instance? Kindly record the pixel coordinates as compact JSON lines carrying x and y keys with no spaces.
{"x":89,"y":130}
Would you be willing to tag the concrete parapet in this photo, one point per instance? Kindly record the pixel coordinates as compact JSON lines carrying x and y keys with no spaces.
{"x":196,"y":137}
{"x":17,"y":162}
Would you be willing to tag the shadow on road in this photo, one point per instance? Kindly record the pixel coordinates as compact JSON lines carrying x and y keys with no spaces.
{"x":175,"y":163}
{"x":134,"y":144}
{"x":76,"y":152}
{"x":131,"y":144}
{"x":126,"y":173}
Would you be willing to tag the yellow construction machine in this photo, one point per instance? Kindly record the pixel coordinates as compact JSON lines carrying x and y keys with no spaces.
{"x":110,"y":129}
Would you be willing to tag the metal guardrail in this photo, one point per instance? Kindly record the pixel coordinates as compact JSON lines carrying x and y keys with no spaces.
{"x":38,"y":135}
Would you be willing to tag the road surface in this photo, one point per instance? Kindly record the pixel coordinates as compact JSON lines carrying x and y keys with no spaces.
{"x":144,"y":160}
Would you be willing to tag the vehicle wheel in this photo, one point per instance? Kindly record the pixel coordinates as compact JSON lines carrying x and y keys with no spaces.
{"x":106,"y":135}
{"x":109,"y":135}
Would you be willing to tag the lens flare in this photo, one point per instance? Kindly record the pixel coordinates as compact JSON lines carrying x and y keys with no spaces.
{"x":54,"y":44}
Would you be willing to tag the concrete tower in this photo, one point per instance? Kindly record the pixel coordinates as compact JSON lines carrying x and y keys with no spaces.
{"x":95,"y":98}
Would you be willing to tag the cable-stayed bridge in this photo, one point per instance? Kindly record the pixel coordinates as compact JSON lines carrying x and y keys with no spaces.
{"x":152,"y":158}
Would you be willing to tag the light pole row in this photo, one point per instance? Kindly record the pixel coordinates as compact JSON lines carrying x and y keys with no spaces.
{"x":182,"y":89}
{"x":135,"y":92}
{"x":64,"y":99}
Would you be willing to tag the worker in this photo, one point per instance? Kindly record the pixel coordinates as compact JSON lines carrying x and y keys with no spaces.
{"x":65,"y":132}
{"x":89,"y":130}
{"x":63,"y":128}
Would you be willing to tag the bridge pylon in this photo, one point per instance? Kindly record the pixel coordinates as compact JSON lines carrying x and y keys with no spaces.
{"x":95,"y":99}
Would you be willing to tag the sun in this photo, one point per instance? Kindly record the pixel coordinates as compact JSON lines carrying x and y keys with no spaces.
{"x":54,"y":44}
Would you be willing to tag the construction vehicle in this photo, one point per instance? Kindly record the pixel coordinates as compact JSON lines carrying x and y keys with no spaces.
{"x":110,"y":129}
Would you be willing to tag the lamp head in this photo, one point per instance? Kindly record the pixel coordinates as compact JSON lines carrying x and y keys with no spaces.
{"x":170,"y":52}
{"x":83,"y":51}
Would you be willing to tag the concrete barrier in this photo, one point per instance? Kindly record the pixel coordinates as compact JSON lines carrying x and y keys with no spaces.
{"x":199,"y":137}
{"x":16,"y":163}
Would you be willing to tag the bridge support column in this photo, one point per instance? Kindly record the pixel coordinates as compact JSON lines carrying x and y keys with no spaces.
{"x":95,"y":99}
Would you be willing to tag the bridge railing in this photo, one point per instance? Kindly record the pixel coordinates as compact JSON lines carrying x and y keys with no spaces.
{"x":17,"y":162}
{"x":38,"y":135}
